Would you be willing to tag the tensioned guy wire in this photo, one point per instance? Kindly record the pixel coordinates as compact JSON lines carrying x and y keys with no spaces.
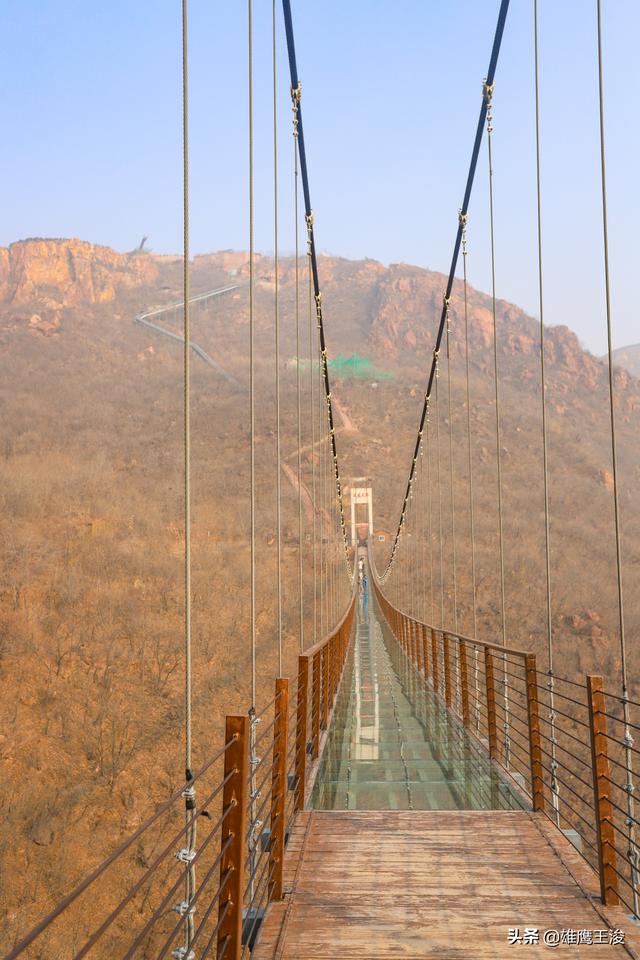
{"x":463,"y":217}
{"x":451,"y":487}
{"x":314,"y":546}
{"x":430,"y":526}
{"x":252,"y":408}
{"x":628,"y":738}
{"x":295,"y":102}
{"x":252,"y":438}
{"x":463,"y":221}
{"x":555,"y":787}
{"x":438,"y":478}
{"x":189,"y":792}
{"x":488,"y":93}
{"x":277,"y":335}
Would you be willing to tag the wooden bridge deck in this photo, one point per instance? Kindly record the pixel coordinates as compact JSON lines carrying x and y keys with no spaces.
{"x":427,"y":884}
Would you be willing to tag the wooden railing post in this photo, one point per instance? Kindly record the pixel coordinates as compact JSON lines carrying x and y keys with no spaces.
{"x":601,"y":774}
{"x":434,"y":658}
{"x":278,"y":787}
{"x":491,"y":703}
{"x":315,"y":702}
{"x":447,"y":669}
{"x":535,"y":748}
{"x":301,"y":733}
{"x":234,"y":833}
{"x":425,"y":654}
{"x":464,"y":683}
{"x":325,"y":686}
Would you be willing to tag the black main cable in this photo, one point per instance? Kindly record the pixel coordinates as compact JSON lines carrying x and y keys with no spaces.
{"x":488,"y":84}
{"x":295,"y":94}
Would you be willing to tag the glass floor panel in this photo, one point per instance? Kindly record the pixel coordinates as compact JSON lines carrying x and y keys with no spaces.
{"x":392,"y":745}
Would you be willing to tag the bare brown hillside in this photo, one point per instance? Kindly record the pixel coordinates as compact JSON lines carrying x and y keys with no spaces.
{"x":91,"y":527}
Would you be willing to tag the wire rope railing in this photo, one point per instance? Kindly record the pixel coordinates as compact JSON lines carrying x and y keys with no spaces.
{"x":544,"y":746}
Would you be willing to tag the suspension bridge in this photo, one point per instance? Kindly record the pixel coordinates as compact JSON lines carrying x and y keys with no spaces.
{"x":411,"y":792}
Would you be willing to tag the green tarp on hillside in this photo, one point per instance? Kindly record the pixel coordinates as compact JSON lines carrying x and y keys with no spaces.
{"x":355,"y":366}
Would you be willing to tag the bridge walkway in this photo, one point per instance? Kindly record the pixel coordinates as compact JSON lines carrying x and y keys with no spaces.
{"x":394,"y":885}
{"x":416,"y":847}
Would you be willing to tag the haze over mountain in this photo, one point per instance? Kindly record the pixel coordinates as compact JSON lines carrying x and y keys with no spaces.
{"x":629,"y":358}
{"x":91,"y":531}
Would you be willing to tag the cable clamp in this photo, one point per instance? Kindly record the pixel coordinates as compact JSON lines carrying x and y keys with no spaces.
{"x":186,"y":855}
{"x":462,"y":218}
{"x":296,"y":95}
{"x":184,"y":908}
{"x":189,"y":794}
{"x":309,"y":219}
{"x":181,"y":953}
{"x":628,"y":739}
{"x":487,"y":91}
{"x":629,"y":788}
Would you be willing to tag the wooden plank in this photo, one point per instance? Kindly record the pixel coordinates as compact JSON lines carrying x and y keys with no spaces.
{"x":403,"y":885}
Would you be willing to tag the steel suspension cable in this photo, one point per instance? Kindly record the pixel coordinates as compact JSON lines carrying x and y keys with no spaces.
{"x":451,"y":488}
{"x":322,"y":550}
{"x":423,"y":538}
{"x":463,"y":218}
{"x":502,"y":15}
{"x":506,"y":727}
{"x":277,"y":336}
{"x":633,"y":854}
{"x":295,"y":104}
{"x":252,"y":459}
{"x":296,"y":94}
{"x":488,"y":95}
{"x":314,"y":501}
{"x":189,"y":792}
{"x":438,"y":479}
{"x":429,"y":503}
{"x":555,"y":787}
{"x":252,"y":409}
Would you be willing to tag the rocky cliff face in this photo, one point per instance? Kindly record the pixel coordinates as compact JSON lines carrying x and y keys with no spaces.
{"x":60,"y":273}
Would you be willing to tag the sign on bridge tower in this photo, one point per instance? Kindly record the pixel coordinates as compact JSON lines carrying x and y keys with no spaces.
{"x":360,"y":494}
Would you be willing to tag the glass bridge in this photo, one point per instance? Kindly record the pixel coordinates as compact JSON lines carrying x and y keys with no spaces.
{"x":392,"y":745}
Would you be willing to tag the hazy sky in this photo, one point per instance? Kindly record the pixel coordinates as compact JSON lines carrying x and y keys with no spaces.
{"x":391,"y":93}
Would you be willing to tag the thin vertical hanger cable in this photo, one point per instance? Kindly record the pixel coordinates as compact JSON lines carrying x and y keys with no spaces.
{"x":628,"y":738}
{"x":277,"y":335}
{"x":472,"y":533}
{"x":488,"y":93}
{"x":555,"y":787}
{"x":252,"y":367}
{"x":253,"y":761}
{"x":438,"y":478}
{"x":423,"y":537}
{"x":465,"y":254}
{"x":430,"y":534}
{"x":189,"y":792}
{"x":451,"y":472}
{"x":314,"y":502}
{"x":296,"y":216}
{"x":321,"y":551}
